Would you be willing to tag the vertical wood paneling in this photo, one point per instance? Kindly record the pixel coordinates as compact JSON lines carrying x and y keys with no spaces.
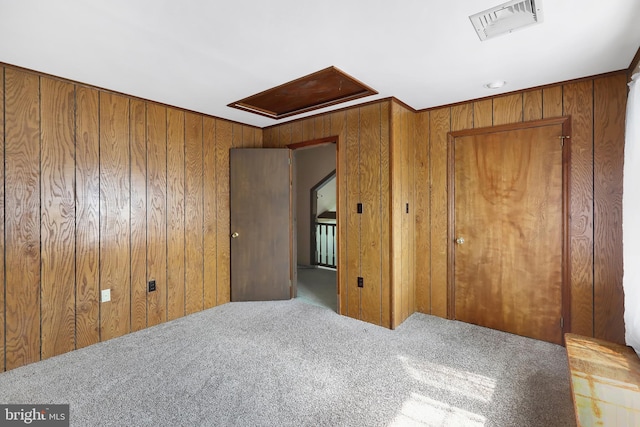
{"x":552,"y":102}
{"x":236,"y":135}
{"x":175,"y":214}
{"x":194,"y":212}
{"x":138,"y":131}
{"x":270,"y":137}
{"x":338,"y":124}
{"x":22,"y":225}
{"x":408,"y":260}
{"x":259,"y":137}
{"x":462,"y":116}
{"x":483,"y":113}
{"x":157,"y":212}
{"x":308,"y":129}
{"x":397,"y":235}
{"x":422,"y":217}
{"x":210,"y":212}
{"x":2,"y":246}
{"x":285,"y":135}
{"x":296,"y":132}
{"x":326,"y":126}
{"x":609,"y":119}
{"x":578,"y":103}
{"x":532,"y":105}
{"x":223,"y":244}
{"x":507,"y":109}
{"x":385,"y":208}
{"x":87,"y":217}
{"x":247,"y":137}
{"x":114,"y":215}
{"x":57,"y":213}
{"x":352,"y":263}
{"x":370,"y":220}
{"x":318,"y":126}
{"x":439,"y":127}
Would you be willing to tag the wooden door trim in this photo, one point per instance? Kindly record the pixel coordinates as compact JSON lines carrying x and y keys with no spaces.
{"x":565,"y":122}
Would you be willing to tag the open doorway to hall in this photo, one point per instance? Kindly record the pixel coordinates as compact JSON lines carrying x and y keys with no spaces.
{"x":316,"y":224}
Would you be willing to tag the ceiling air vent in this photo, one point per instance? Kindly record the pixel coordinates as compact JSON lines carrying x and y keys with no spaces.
{"x":506,"y":17}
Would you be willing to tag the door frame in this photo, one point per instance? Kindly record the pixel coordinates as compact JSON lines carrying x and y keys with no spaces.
{"x":294,"y":235}
{"x":313,"y":210}
{"x":566,"y":170}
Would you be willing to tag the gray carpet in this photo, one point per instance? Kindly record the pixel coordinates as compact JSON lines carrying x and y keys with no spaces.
{"x":318,"y":286}
{"x":293,"y":364}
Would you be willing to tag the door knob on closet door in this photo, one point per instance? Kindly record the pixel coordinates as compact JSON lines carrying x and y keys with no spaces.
{"x":234,"y":235}
{"x":460,"y":240}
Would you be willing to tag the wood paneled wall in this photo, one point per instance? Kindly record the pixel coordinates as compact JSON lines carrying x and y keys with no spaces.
{"x":106,"y":191}
{"x":597,"y":108}
{"x":363,"y":155}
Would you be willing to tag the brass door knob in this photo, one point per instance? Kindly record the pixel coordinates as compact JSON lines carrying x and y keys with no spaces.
{"x":234,"y":235}
{"x":460,"y":240}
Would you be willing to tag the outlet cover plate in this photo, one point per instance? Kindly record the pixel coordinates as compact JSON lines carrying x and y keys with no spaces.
{"x":105,"y":295}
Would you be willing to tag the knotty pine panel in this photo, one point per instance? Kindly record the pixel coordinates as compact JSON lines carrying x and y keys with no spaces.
{"x":87,"y":218}
{"x":338,"y":128}
{"x":385,"y":203}
{"x":552,"y":102}
{"x":210,"y":211}
{"x":57,"y":217}
{"x":175,"y":214}
{"x":223,"y":243}
{"x":439,"y":127}
{"x":22,"y":225}
{"x":610,"y":95}
{"x":371,"y":218}
{"x":352,"y":263}
{"x":422,"y":214}
{"x":2,"y":246}
{"x":482,"y":113}
{"x":138,"y":191}
{"x":194,"y":296}
{"x":114,"y":215}
{"x":507,"y":109}
{"x":578,"y":103}
{"x":157,"y":212}
{"x":532,"y":105}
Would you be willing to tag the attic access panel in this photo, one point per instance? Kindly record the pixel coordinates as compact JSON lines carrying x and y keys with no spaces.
{"x":317,"y":90}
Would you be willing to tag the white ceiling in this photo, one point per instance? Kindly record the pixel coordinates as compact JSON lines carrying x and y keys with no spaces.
{"x":203,"y":54}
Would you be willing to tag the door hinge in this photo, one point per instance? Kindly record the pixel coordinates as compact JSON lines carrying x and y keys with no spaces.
{"x":563,"y":137}
{"x":360,"y":282}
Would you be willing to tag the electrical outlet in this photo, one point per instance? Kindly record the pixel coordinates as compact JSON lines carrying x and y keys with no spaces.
{"x":152,"y":285}
{"x":105,"y":295}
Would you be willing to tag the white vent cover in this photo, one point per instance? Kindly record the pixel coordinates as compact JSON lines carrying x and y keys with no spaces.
{"x":507,"y":17}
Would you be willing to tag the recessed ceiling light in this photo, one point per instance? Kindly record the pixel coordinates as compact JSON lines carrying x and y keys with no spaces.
{"x":497,"y":84}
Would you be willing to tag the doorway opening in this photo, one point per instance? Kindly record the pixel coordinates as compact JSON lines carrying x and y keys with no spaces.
{"x":315,"y":222}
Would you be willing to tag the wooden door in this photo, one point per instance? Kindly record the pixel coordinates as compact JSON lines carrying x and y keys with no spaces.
{"x":260,"y":188}
{"x":507,"y":236}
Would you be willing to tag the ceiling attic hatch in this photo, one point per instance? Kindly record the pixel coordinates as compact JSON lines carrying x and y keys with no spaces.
{"x":323,"y":88}
{"x":506,"y":18}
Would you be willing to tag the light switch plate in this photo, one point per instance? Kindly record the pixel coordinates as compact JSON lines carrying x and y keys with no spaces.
{"x":106,"y":295}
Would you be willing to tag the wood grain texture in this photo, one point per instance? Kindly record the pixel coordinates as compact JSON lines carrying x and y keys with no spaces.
{"x":385,"y":211}
{"x":352,"y":259}
{"x":57,"y":217}
{"x":114,"y":215}
{"x":422,"y":214}
{"x":223,"y":144}
{"x":532,"y":105}
{"x":296,"y":132}
{"x":609,"y":120}
{"x":338,"y":127}
{"x":462,"y":116}
{"x":371,"y":218}
{"x":2,"y":245}
{"x":483,"y":113}
{"x":175,"y":214}
{"x":87,"y":218}
{"x":22,"y":226}
{"x":210,"y":212}
{"x":308,"y":129}
{"x":270,"y":137}
{"x":284,"y":136}
{"x":507,"y":109}
{"x":407,"y":207}
{"x":552,"y":102}
{"x":578,"y":103}
{"x":318,"y":126}
{"x":259,"y":137}
{"x":439,"y":127}
{"x":236,"y":135}
{"x":194,"y":212}
{"x":138,"y":161}
{"x":397,"y":236}
{"x":157,"y":212}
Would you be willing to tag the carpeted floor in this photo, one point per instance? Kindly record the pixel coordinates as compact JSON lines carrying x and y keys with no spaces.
{"x":318,"y":286}
{"x":289,"y":363}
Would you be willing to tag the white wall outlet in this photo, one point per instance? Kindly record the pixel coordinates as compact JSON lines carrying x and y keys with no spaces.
{"x":106,"y":295}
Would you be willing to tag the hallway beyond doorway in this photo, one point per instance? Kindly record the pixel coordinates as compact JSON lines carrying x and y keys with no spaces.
{"x":317,"y":286}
